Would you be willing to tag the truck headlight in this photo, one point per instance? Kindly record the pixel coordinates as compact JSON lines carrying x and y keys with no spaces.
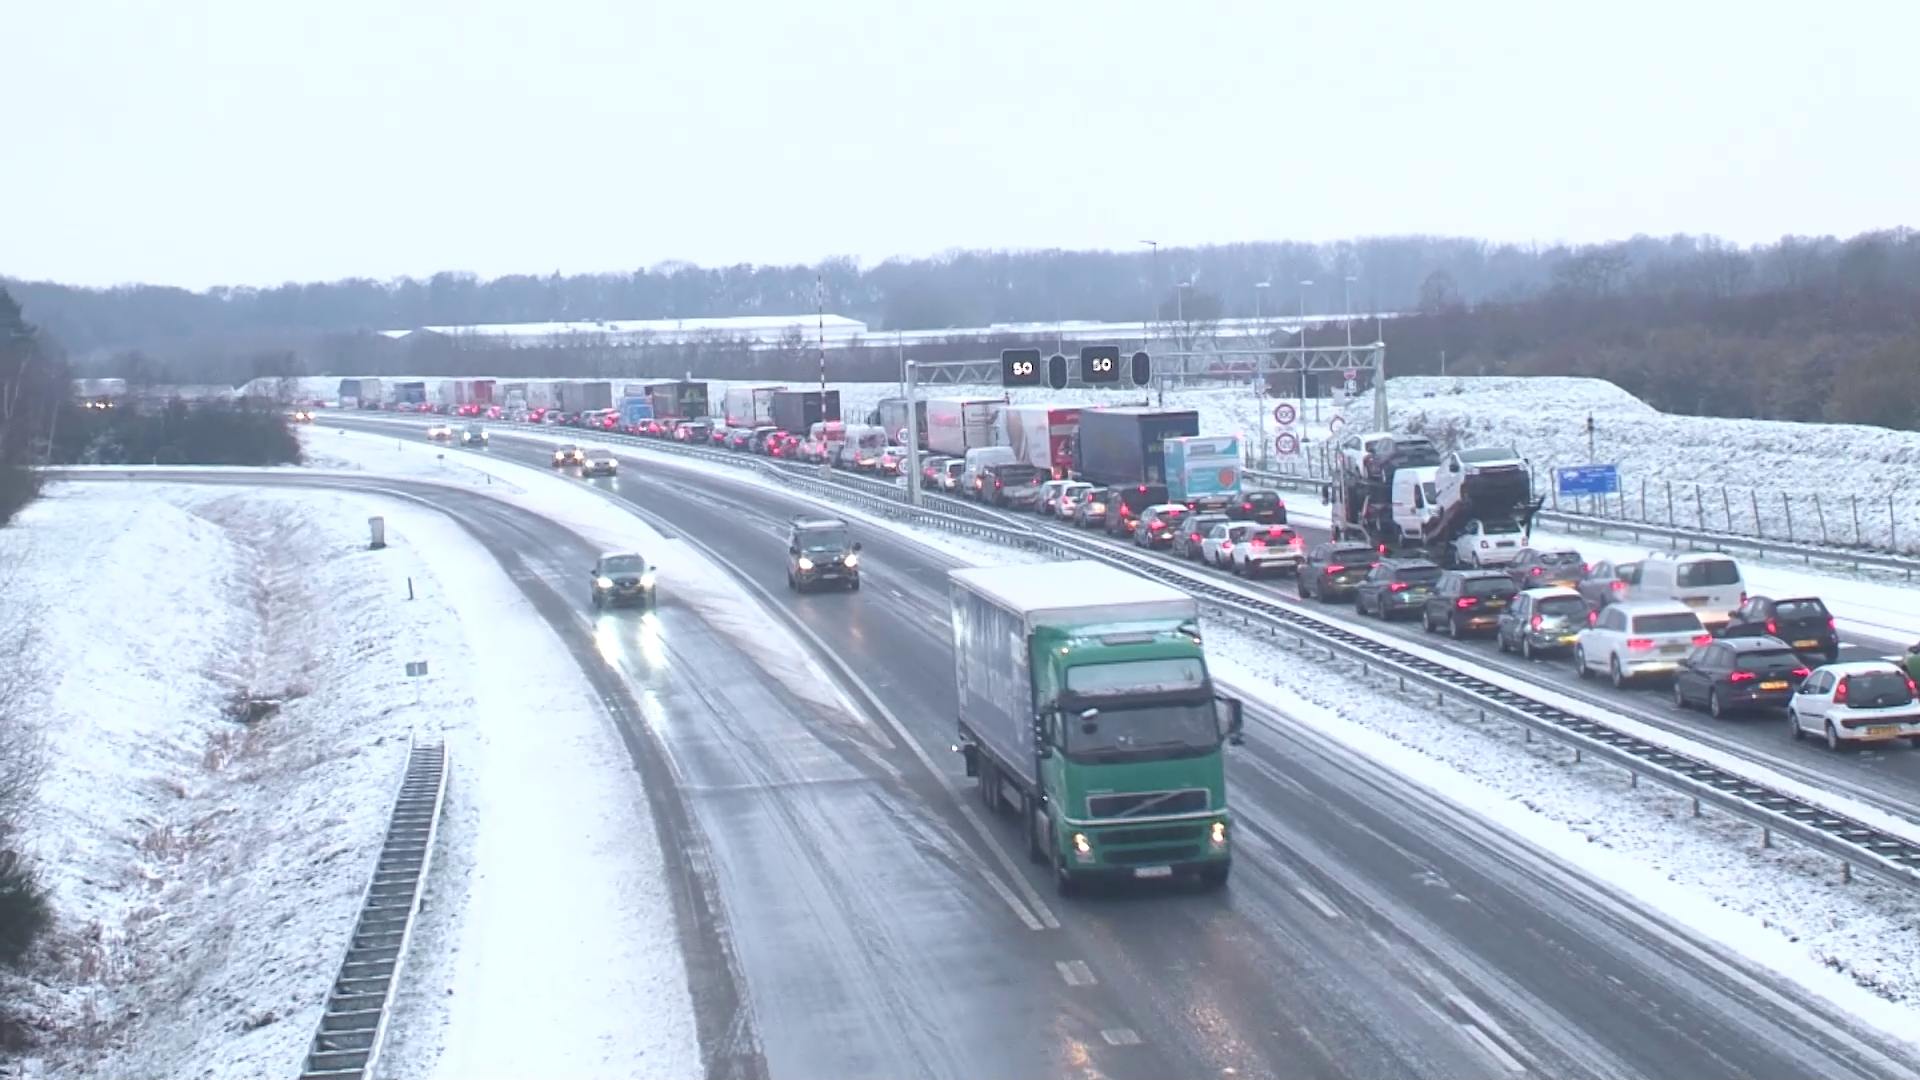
{"x":806,"y":563}
{"x":852,"y":560}
{"x":1218,"y":837}
{"x":1082,"y":850}
{"x":605,"y":583}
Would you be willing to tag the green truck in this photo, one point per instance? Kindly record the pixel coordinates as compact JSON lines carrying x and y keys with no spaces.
{"x":1086,"y":707}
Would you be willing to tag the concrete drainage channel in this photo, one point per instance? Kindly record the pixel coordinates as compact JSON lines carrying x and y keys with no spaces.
{"x":1853,"y":843}
{"x":354,"y":1025}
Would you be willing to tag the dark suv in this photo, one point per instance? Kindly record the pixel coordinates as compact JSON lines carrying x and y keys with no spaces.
{"x":622,"y":577}
{"x":1803,"y":622}
{"x":1126,"y":503}
{"x":819,"y":550}
{"x":1265,"y":507}
{"x":1395,"y":586}
{"x":1467,"y":602}
{"x":1334,"y":570}
{"x":1013,"y":484}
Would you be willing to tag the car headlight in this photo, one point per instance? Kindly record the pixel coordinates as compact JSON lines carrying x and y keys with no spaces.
{"x":605,"y":583}
{"x":646,"y":580}
{"x":806,"y":563}
{"x":852,"y":560}
{"x":611,"y":463}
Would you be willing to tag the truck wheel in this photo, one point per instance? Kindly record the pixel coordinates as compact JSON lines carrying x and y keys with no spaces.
{"x":1036,"y":823}
{"x":854,"y":585}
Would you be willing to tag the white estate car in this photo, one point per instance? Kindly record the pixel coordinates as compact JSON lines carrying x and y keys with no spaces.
{"x":1865,"y":701}
{"x":1635,"y":639}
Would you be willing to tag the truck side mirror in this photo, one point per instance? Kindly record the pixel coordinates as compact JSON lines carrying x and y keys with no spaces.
{"x":793,"y":549}
{"x":856,"y":545}
{"x":1227,"y":714}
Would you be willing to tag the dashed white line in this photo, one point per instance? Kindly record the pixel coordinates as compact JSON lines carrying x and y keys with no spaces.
{"x":1076,"y":972}
{"x":1121,"y":1037}
{"x":1319,"y":903}
{"x":1498,"y":1052}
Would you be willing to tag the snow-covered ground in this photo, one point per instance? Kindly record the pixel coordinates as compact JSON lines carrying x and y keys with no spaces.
{"x":205,"y":873}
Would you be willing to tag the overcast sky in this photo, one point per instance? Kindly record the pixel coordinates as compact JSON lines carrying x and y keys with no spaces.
{"x":251,"y":141}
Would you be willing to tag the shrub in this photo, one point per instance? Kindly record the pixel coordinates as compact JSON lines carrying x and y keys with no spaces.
{"x":24,"y":911}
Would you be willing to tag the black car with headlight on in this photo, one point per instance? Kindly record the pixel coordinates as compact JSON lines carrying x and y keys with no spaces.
{"x":622,"y":578}
{"x":821,"y":551}
{"x":568,"y":454}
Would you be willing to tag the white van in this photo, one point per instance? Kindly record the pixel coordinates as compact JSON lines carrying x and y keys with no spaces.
{"x":1706,"y":581}
{"x":978,"y":459}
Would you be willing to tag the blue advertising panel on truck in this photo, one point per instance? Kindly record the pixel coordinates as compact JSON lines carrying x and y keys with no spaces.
{"x":1086,"y":708}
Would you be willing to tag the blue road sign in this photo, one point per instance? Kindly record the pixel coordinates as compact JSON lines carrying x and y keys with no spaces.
{"x":1588,"y":480}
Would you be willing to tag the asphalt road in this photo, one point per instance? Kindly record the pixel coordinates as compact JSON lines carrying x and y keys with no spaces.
{"x":1370,"y":930}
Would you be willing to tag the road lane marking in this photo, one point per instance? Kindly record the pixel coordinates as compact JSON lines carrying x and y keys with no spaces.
{"x":1493,"y":1049}
{"x":1121,"y":1037}
{"x":1076,"y":972}
{"x":1485,"y":1030}
{"x":1319,"y":903}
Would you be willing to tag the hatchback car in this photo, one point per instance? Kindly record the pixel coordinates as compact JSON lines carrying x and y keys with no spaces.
{"x":622,"y":577}
{"x":1467,"y":602}
{"x":1396,"y":587}
{"x":1332,"y":571}
{"x":1861,"y":702}
{"x":1542,"y":622}
{"x":1068,"y":503}
{"x":1803,"y":622}
{"x":1090,"y":508}
{"x":1738,"y":673}
{"x":1265,"y":507}
{"x":1159,"y":524}
{"x":1050,"y":496}
{"x":1536,"y":568}
{"x":1192,"y":541}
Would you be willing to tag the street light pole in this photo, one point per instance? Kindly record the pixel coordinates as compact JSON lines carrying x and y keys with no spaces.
{"x":1259,"y":367}
{"x":1153,"y":293}
{"x":1304,"y":286}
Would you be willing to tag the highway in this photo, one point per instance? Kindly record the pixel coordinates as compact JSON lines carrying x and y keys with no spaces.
{"x":1370,"y":930}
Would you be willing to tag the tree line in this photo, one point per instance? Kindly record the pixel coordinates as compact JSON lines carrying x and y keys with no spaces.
{"x":1806,"y":328}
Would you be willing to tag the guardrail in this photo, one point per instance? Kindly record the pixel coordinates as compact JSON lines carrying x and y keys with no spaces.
{"x":1853,"y":843}
{"x":1674,"y":538}
{"x":353,"y":1028}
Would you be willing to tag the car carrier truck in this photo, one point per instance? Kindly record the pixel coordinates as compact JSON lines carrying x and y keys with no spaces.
{"x":1396,"y":493}
{"x":1087,"y":709}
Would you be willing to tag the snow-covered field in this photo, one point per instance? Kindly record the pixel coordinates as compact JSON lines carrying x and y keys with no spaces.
{"x":205,"y":872}
{"x":1809,"y":482}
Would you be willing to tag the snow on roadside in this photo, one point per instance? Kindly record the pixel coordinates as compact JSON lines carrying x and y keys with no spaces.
{"x":548,"y":946}
{"x":204,"y":872}
{"x":714,"y":592}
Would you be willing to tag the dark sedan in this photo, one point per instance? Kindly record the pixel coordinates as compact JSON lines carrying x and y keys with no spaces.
{"x":1733,"y":674}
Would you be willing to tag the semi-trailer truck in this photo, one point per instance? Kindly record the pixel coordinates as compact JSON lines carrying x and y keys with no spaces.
{"x":959,"y":424}
{"x":796,"y":411}
{"x":749,"y":406}
{"x":679,"y":399}
{"x":1087,"y":709}
{"x":584,"y":397}
{"x":1042,"y":436}
{"x":1125,"y":446}
{"x":1203,"y":471}
{"x":891,"y":414}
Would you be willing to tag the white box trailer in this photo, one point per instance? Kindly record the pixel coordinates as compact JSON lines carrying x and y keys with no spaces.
{"x":959,"y":424}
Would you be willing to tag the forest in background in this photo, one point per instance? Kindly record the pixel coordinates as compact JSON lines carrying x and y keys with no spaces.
{"x":1803,"y":329}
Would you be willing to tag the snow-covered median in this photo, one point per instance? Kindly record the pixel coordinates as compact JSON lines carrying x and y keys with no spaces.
{"x":205,"y":872}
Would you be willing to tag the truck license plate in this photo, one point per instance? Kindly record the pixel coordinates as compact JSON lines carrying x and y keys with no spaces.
{"x":1152,"y":871}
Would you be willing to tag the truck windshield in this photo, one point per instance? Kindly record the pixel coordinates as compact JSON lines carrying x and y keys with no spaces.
{"x":1140,"y":676}
{"x":1150,"y":730}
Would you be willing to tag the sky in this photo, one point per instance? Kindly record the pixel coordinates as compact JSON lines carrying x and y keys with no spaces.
{"x":203,"y":142}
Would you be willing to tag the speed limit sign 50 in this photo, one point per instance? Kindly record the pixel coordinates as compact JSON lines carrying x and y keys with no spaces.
{"x":1287,"y":444}
{"x":1284,"y":415}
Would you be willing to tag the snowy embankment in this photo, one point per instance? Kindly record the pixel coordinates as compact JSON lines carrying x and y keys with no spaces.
{"x":205,"y":872}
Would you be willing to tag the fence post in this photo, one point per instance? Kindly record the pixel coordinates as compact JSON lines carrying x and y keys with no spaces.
{"x":1786,"y":501}
{"x":1553,"y":496}
{"x":1855,"y":501}
{"x":1726,"y":507}
{"x":1893,"y":531}
{"x":1821,"y":516}
{"x":1643,"y":500}
{"x":1753,"y":496}
{"x":1699,"y":509}
{"x":1670,"y":522}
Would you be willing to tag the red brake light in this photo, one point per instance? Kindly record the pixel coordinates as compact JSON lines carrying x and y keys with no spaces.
{"x":1535,"y":624}
{"x":1639,"y":644}
{"x":1772,"y":627}
{"x":1801,"y":673}
{"x":1465,"y":601}
{"x":1226,"y":545}
{"x":1592,"y":617}
{"x":1257,"y":543}
{"x":1703,"y":639}
{"x":1156,"y":526}
{"x":1619,"y":586}
{"x":1829,"y":624}
{"x":1912,"y":690}
{"x":1587,"y":569}
{"x":1398,"y":586}
{"x":1246,"y":506}
{"x":1335,"y":568}
{"x":1840,"y":693}
{"x":1193,"y":536}
{"x":1740,"y":676}
{"x":1536,"y":571}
